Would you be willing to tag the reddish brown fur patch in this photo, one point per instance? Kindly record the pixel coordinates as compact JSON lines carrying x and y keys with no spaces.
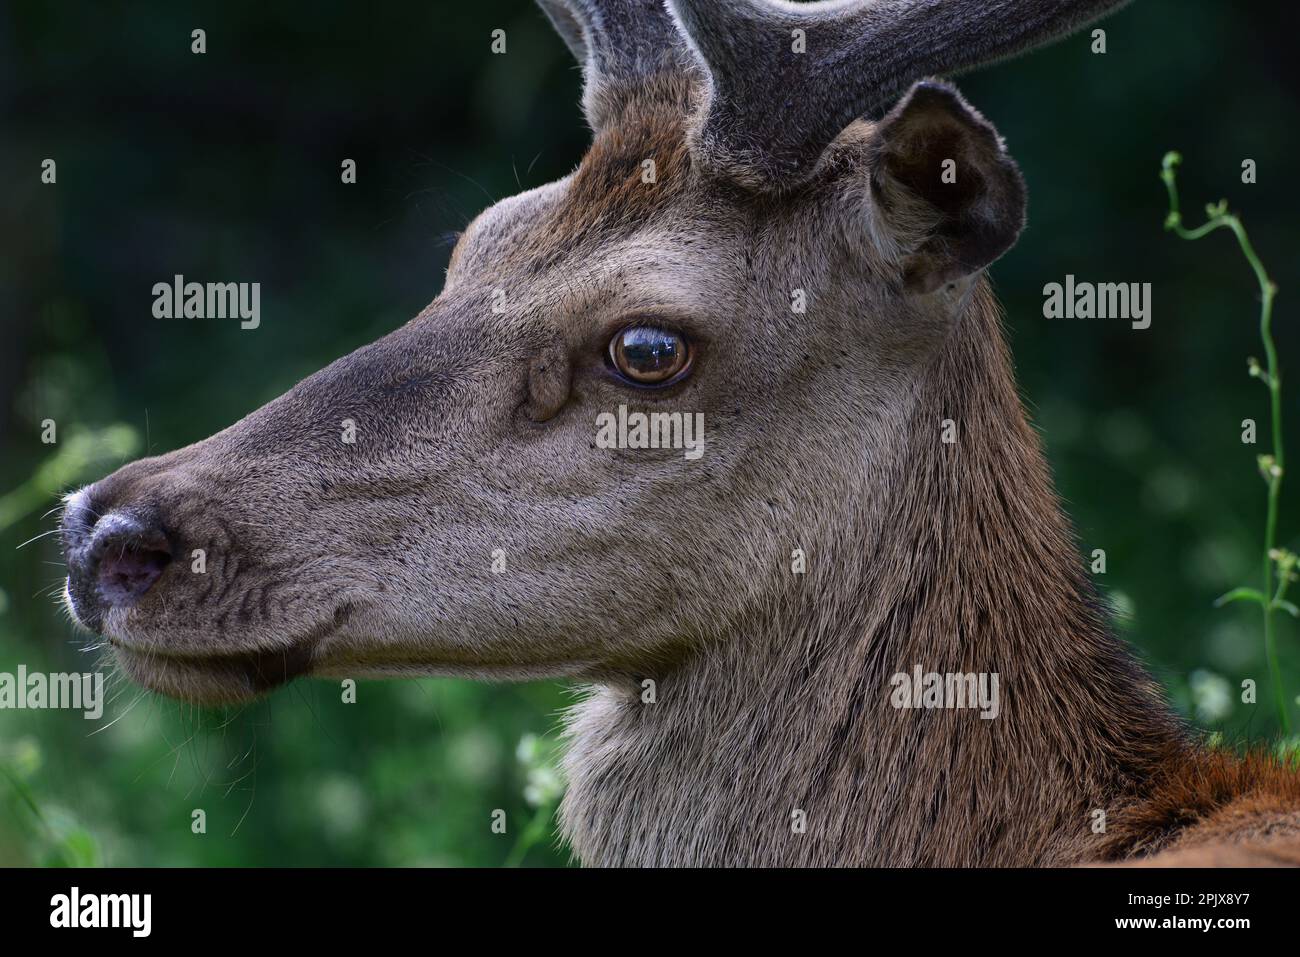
{"x":1208,"y":807}
{"x":607,"y":193}
{"x":1278,"y":853}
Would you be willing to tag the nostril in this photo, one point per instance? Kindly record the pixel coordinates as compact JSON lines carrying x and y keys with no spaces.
{"x":128,"y":570}
{"x":123,"y":559}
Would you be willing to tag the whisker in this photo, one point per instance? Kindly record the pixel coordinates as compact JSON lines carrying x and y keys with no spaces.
{"x":36,"y":538}
{"x":129,"y":709}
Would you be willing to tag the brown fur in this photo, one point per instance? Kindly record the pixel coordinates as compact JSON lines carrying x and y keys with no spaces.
{"x":1209,"y":804}
{"x":607,"y":189}
{"x":974,"y":571}
{"x":772,"y":689}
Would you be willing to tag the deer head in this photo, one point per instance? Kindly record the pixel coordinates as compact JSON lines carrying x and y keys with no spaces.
{"x":739,"y":242}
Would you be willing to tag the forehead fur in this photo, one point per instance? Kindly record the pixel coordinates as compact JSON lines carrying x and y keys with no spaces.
{"x":637,"y":167}
{"x":638,"y":164}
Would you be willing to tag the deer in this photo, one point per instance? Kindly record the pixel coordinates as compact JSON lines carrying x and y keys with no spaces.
{"x":736,"y":711}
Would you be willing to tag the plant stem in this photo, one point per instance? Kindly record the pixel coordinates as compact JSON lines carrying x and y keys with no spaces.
{"x":25,"y":794}
{"x":533,"y":832}
{"x":1219,"y":218}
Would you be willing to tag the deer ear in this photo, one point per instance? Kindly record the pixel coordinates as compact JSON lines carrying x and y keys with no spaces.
{"x":944,"y":186}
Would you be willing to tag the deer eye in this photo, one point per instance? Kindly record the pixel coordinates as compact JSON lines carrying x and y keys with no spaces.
{"x":648,"y":355}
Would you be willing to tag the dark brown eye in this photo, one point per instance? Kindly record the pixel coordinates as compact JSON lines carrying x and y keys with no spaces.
{"x":648,"y":355}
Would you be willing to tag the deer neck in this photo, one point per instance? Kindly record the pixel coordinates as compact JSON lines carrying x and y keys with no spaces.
{"x":782,"y":742}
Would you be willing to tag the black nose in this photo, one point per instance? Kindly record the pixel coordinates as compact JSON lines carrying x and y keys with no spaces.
{"x":112,"y":560}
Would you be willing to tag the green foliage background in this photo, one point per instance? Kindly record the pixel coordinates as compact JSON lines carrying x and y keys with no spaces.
{"x":226,"y":166}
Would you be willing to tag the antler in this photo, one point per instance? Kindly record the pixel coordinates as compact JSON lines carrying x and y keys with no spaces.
{"x":617,"y":41}
{"x":773,"y":108}
{"x":621,"y":37}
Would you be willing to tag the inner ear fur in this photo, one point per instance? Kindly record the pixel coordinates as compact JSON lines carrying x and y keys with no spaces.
{"x":950,"y":229}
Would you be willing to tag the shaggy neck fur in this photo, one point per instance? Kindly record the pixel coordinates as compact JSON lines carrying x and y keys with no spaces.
{"x":779,"y":745}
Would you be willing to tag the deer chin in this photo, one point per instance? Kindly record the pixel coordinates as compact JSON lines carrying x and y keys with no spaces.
{"x":218,"y":677}
{"x":214,"y":679}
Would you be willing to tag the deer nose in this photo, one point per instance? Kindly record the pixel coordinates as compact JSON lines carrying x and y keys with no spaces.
{"x":113,"y":560}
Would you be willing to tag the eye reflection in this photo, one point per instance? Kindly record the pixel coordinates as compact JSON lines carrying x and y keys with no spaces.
{"x":648,"y":355}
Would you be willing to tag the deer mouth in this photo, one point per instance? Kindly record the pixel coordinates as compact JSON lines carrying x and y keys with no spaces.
{"x":215,"y":679}
{"x":220,"y":678}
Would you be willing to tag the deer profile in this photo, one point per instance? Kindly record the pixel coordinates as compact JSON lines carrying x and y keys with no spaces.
{"x":740,"y":243}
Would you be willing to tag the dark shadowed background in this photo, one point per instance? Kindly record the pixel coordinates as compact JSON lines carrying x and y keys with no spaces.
{"x":226,"y":166}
